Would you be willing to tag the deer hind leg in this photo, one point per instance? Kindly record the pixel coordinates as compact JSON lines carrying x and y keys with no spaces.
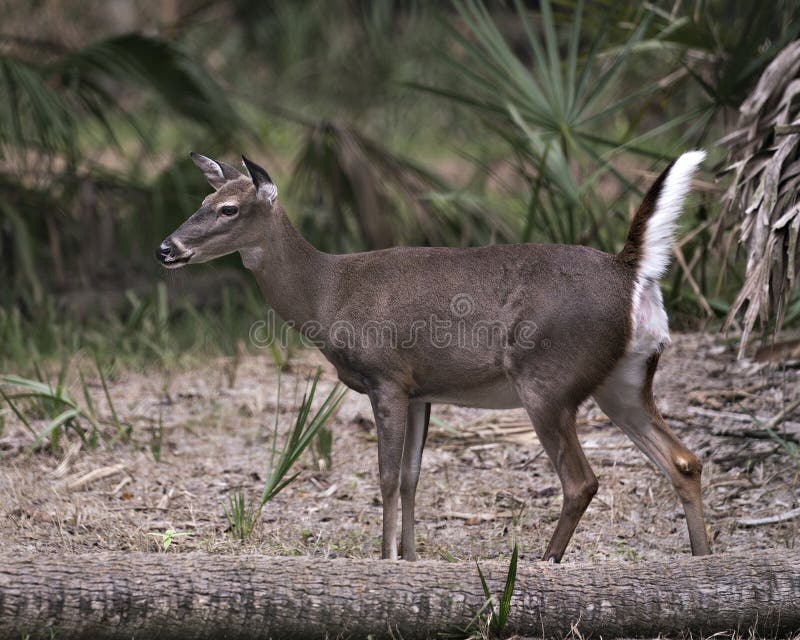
{"x":627,"y":398}
{"x":554,"y":424}
{"x":419,"y":415}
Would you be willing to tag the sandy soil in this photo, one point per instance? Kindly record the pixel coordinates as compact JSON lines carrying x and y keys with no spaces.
{"x":485,"y":480}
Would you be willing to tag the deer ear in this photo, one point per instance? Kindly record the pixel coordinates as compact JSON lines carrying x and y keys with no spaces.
{"x":265,"y":187}
{"x":217,"y":173}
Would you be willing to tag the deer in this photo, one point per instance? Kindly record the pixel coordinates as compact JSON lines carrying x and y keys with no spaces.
{"x":533,"y":325}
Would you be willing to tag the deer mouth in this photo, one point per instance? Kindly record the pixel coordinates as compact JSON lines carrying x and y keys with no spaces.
{"x":174,"y":263}
{"x":167,"y":255}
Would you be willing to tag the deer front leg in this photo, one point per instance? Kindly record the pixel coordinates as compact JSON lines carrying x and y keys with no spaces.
{"x":553,"y":419}
{"x":419,"y":415}
{"x":555,"y":428}
{"x":390,"y":407}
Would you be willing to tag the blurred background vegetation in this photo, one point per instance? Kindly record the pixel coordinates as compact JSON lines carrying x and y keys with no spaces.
{"x":383,"y":122}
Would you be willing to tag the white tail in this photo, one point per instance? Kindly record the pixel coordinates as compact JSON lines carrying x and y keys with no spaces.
{"x":659,"y":233}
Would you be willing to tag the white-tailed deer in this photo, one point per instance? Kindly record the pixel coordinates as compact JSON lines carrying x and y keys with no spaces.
{"x":540,"y":326}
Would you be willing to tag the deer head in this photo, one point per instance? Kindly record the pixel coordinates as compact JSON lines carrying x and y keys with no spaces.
{"x":233,"y":218}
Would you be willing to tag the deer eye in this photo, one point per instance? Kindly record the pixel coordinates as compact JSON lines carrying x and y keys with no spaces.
{"x":229,"y":210}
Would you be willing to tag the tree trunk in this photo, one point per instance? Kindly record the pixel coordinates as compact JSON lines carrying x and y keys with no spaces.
{"x":173,"y":595}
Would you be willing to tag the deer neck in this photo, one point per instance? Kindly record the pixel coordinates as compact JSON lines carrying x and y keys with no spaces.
{"x":290,"y":272}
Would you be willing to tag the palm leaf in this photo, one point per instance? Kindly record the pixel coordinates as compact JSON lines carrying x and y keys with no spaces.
{"x":763,"y":195}
{"x":549,"y":113}
{"x":157,"y":65}
{"x":352,"y":187}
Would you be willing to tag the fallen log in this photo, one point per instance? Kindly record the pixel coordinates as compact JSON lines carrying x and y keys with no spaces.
{"x":193,"y":595}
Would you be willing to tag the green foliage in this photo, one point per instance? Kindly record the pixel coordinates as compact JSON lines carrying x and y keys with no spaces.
{"x":40,"y":400}
{"x":725,"y":47}
{"x":51,"y":96}
{"x":176,"y":79}
{"x":166,"y":539}
{"x":64,"y":112}
{"x":494,"y":621}
{"x":355,"y":194}
{"x":148,"y":330}
{"x":553,"y":116}
{"x":326,"y":59}
{"x":242,"y":514}
{"x":305,"y":428}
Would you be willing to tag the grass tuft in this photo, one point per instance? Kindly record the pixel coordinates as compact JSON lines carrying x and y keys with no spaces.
{"x":491,"y":622}
{"x":37,"y":399}
{"x":300,"y":437}
{"x":242,"y":515}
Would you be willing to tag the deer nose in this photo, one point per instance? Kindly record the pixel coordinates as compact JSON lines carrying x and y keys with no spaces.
{"x":172,"y":253}
{"x":164,"y":251}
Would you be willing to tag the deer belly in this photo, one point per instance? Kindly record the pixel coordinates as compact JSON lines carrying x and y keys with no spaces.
{"x":497,"y":394}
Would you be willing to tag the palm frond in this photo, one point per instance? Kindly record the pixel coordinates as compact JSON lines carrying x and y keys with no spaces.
{"x":60,"y":108}
{"x":45,"y":102}
{"x":764,"y":195}
{"x":154,"y":64}
{"x":549,"y":110}
{"x":726,"y":47}
{"x":353,"y":188}
{"x":32,"y":113}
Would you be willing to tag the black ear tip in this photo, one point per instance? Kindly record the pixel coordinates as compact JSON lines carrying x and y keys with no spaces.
{"x":193,"y":155}
{"x":252,"y":168}
{"x":255,"y":170}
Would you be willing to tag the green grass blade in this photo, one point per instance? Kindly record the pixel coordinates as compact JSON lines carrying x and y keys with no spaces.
{"x":123,"y":432}
{"x":572,"y":58}
{"x":274,"y":444}
{"x":41,"y":388}
{"x":62,"y":376}
{"x":43,"y":396}
{"x":618,"y":105}
{"x":18,"y":413}
{"x":508,"y":590}
{"x":541,"y":66}
{"x":553,"y":162}
{"x":486,"y":592}
{"x":86,"y":396}
{"x":303,"y":432}
{"x":586,"y":72}
{"x":268,"y":495}
{"x":554,"y":59}
{"x":604,"y":80}
{"x":66,"y":416}
{"x":498,"y":65}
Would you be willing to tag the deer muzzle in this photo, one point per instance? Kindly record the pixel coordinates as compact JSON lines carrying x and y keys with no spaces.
{"x":172,"y":254}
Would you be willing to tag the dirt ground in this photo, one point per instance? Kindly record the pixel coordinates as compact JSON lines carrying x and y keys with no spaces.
{"x":485,"y":480}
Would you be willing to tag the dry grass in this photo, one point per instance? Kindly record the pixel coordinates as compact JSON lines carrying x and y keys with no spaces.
{"x":482,"y":486}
